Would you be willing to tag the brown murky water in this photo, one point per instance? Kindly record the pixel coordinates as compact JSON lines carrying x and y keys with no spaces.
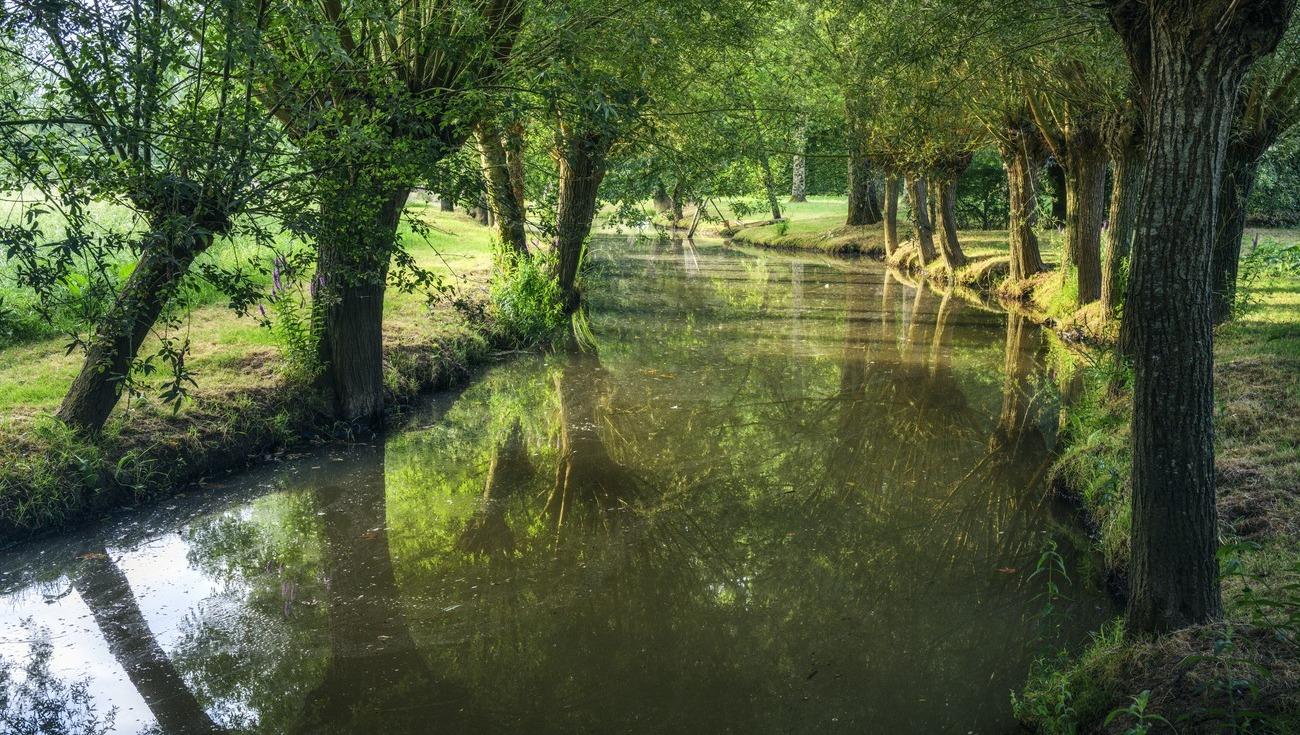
{"x":782,"y":494}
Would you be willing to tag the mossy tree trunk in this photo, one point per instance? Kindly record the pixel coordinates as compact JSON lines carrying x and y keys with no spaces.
{"x":1123,"y":140}
{"x":351,"y":276}
{"x":890,"y":216}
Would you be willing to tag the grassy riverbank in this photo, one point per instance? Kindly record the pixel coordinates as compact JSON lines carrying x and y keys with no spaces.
{"x":1240,"y":675}
{"x":247,"y":405}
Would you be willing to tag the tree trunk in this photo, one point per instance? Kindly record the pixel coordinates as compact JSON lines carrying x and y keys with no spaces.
{"x":515,"y":140}
{"x":1056,"y":178}
{"x":1126,"y":183}
{"x":1085,"y":196}
{"x":351,"y":274}
{"x":946,"y":185}
{"x":117,"y":339}
{"x":1237,"y":181}
{"x":890,"y":218}
{"x":446,"y":203}
{"x":1189,"y":60}
{"x":501,"y":193}
{"x":799,"y":167}
{"x":921,"y":222}
{"x":582,"y":167}
{"x":862,"y":210}
{"x":1022,"y":157}
{"x":769,"y":184}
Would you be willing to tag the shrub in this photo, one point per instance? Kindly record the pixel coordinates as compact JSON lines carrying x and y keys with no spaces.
{"x":526,"y":299}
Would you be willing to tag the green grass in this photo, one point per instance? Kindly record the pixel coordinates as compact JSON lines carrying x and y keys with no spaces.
{"x":246,"y":402}
{"x":1257,"y":443}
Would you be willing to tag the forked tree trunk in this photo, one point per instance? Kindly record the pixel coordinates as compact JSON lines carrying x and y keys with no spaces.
{"x":946,"y":207}
{"x":507,"y":211}
{"x":582,"y":158}
{"x":351,"y":274}
{"x":1022,"y":157}
{"x":1239,"y":170}
{"x":1189,"y":60}
{"x":1085,"y":211}
{"x":890,"y":218}
{"x":116,"y":343}
{"x":1126,"y":183}
{"x":921,"y":221}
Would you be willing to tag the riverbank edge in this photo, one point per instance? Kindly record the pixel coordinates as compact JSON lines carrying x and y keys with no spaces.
{"x":159,"y":455}
{"x":1179,"y":673}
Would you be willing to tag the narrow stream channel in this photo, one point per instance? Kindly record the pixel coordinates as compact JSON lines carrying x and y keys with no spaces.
{"x":782,"y":494}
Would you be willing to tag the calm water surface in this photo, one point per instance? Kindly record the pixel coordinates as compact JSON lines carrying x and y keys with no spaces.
{"x":781,"y":494}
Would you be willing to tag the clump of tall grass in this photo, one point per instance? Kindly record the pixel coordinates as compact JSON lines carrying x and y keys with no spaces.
{"x":526,"y":300}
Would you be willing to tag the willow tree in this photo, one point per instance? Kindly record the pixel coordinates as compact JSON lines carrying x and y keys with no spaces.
{"x":375,"y":93}
{"x":1189,"y":61}
{"x":1076,"y":85}
{"x":146,"y":107}
{"x":600,"y":70}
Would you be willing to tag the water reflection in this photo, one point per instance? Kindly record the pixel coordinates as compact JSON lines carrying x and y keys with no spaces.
{"x":779,"y":495}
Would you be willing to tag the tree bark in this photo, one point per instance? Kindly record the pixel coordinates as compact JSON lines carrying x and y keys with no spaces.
{"x":1022,"y":157}
{"x":769,"y":184}
{"x":1056,"y":179}
{"x":116,"y":342}
{"x":863,"y":209}
{"x":799,"y":166}
{"x":1085,"y":196}
{"x":663,"y":203}
{"x":946,"y":185}
{"x":446,"y":203}
{"x":1239,"y":170}
{"x":890,"y":218}
{"x":582,"y":158}
{"x":351,"y":274}
{"x":1189,"y":60}
{"x":921,"y":221}
{"x":1126,"y":183}
{"x":501,"y":193}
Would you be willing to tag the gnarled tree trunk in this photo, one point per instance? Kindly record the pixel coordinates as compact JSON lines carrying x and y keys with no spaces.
{"x":116,"y":342}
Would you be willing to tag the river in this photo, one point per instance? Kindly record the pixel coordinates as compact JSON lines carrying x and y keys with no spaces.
{"x":767,"y":493}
